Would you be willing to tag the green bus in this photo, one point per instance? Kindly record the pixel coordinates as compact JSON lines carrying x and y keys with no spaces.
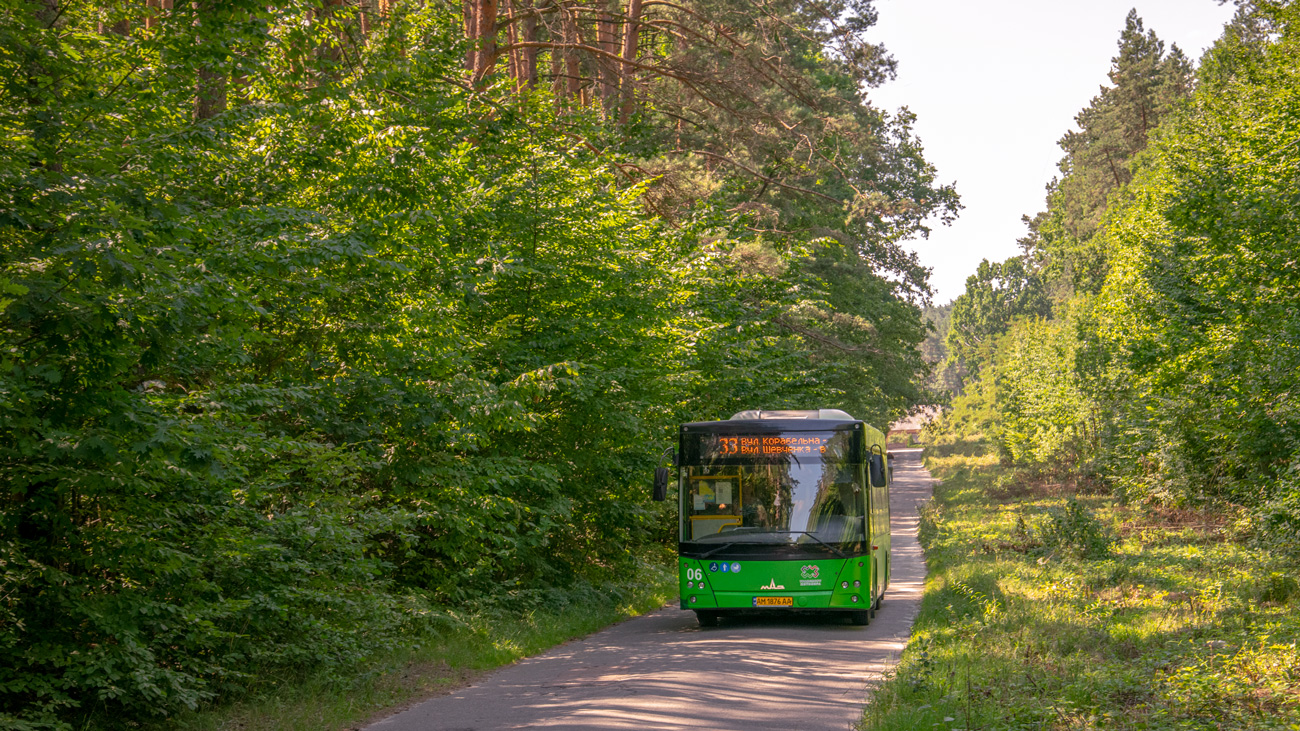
{"x":784,"y":511}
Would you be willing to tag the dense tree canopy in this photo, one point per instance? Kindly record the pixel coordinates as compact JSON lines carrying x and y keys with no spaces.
{"x":1168,"y":365}
{"x":1201,"y":307}
{"x":1147,"y":84}
{"x":315,"y":316}
{"x":996,"y":294}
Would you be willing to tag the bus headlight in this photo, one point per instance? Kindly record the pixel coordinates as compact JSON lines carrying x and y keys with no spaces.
{"x":855,"y":599}
{"x":856,"y":584}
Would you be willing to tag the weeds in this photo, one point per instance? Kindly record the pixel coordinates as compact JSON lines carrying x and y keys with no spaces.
{"x":1051,"y":608}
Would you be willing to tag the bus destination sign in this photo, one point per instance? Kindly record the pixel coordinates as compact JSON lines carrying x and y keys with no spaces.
{"x":765,"y":445}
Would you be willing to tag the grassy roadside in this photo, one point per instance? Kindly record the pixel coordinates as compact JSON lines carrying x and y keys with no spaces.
{"x":1046,"y":608}
{"x":468,"y":644}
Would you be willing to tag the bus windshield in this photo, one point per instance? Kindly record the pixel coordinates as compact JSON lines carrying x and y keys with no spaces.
{"x":796,"y":487}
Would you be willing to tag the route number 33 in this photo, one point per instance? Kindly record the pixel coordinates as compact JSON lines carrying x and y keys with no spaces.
{"x":694,"y":574}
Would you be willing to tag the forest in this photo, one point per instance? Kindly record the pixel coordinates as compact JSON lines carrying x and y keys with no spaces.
{"x":320,"y":317}
{"x":1147,"y":340}
{"x":1112,"y":538}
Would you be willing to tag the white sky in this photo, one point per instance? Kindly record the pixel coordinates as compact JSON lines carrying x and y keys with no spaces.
{"x":994,"y":85}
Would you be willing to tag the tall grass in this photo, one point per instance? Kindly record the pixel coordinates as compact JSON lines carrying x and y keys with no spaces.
{"x":1047,"y":608}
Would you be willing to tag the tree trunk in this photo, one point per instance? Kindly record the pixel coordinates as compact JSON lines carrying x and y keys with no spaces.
{"x":528,"y":58}
{"x":210,"y":96}
{"x":631,"y":37}
{"x":210,"y":91}
{"x":606,"y":68}
{"x":363,"y":17}
{"x":470,"y":10}
{"x":512,"y":37}
{"x":572,"y":69}
{"x":153,"y":8}
{"x":521,"y":59}
{"x":485,"y":39}
{"x":558,"y":84}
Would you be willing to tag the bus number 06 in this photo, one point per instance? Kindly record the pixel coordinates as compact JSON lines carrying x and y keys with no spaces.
{"x":694,"y":574}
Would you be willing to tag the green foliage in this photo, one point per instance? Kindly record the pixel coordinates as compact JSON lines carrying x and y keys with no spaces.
{"x":283,"y":378}
{"x":773,"y":123}
{"x":1177,"y":627}
{"x":940,"y":320}
{"x":457,"y":646}
{"x":813,"y":191}
{"x":275,"y":384}
{"x":947,"y":375}
{"x":972,"y":414}
{"x":1277,"y":518}
{"x":1043,"y":415}
{"x":1279,"y":588}
{"x":1170,"y":361}
{"x":1147,"y":85}
{"x":1200,"y":305}
{"x":826,"y":310}
{"x":995,"y":295}
{"x":1073,"y":530}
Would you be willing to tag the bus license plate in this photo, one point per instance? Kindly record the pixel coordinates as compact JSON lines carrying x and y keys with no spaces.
{"x":774,"y":601}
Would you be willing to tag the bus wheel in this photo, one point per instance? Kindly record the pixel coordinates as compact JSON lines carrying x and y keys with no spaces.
{"x":706,"y":619}
{"x":860,"y":617}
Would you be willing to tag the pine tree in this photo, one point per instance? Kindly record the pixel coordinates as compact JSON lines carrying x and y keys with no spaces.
{"x":1146,"y":85}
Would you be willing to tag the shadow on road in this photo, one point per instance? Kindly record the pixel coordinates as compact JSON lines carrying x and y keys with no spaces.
{"x":663,"y":671}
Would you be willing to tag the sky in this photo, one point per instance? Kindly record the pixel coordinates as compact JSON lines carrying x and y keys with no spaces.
{"x":994,"y":85}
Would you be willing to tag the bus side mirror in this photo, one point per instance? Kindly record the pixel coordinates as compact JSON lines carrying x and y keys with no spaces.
{"x":661,"y":484}
{"x":877,"y":469}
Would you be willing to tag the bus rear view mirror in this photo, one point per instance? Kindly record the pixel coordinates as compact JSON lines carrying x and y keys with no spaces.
{"x":877,"y":468}
{"x":661,"y":484}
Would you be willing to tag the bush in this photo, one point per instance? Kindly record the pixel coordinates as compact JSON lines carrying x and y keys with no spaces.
{"x":1278,"y":519}
{"x":1074,"y":531}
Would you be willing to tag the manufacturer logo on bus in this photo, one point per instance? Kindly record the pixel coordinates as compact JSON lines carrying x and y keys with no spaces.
{"x":809,"y":572}
{"x":772,"y":586}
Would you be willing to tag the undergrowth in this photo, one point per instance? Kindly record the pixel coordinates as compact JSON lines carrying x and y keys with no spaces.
{"x":459,"y":645}
{"x":1047,"y":607}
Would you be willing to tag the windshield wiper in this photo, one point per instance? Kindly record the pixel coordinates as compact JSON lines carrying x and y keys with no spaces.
{"x":824,"y":543}
{"x":729,"y":544}
{"x":708,"y":553}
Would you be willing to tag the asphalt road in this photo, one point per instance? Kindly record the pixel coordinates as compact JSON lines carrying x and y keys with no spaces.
{"x":662,"y":671}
